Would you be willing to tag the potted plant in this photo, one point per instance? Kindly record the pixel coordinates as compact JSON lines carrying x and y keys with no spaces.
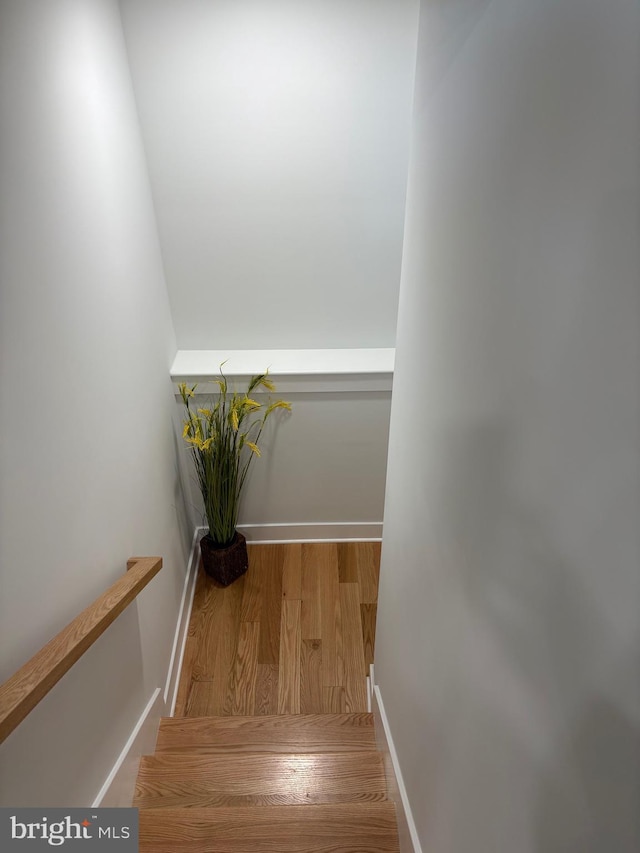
{"x":223,"y":440}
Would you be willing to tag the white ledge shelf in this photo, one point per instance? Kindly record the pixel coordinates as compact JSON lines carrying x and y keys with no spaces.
{"x":293,"y":370}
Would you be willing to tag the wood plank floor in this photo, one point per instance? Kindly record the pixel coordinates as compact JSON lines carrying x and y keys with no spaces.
{"x":339,"y":828}
{"x":259,"y":779}
{"x":284,"y":733}
{"x":295,"y":635}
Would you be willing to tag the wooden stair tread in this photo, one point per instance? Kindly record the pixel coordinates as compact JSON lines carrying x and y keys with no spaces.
{"x":277,"y":733}
{"x":259,"y":779}
{"x":338,"y":828}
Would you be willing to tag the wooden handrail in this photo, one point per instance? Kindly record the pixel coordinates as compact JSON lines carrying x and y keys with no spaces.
{"x":31,"y":683}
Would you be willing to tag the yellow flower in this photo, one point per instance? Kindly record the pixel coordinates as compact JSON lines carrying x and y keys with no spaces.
{"x":205,"y":412}
{"x":192,"y":430}
{"x":279,"y":404}
{"x":267,"y":383}
{"x":235,"y":423}
{"x":207,"y":443}
{"x":254,"y":448}
{"x":251,"y":405}
{"x":186,"y":392}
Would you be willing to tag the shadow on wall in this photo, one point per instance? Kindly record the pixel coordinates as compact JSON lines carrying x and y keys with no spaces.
{"x":41,"y":763}
{"x":562,"y":670}
{"x":588,"y":803}
{"x":184,"y":509}
{"x":447,"y":38}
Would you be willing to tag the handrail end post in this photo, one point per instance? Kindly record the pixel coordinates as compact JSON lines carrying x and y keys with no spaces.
{"x":133,"y":560}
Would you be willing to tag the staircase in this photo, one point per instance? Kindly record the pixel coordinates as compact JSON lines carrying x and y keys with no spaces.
{"x":304,"y":783}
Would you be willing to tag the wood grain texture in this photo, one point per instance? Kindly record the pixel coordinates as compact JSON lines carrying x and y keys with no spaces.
{"x":251,"y":609}
{"x":275,"y":733}
{"x":227,"y":647}
{"x":267,"y":689}
{"x":201,"y":698}
{"x":330,"y":614}
{"x":271,"y":615}
{"x":333,"y":701}
{"x":221,"y":649}
{"x":189,"y":781}
{"x":348,"y":562}
{"x":247,"y":771}
{"x":292,"y":572}
{"x":310,"y":676}
{"x":31,"y":683}
{"x":368,"y":613}
{"x":201,"y":642}
{"x":242,"y":687}
{"x":184,"y":682}
{"x":335,"y":828}
{"x":368,"y":562}
{"x":289,"y":662}
{"x":310,"y":591}
{"x":351,"y":650}
{"x":204,"y":633}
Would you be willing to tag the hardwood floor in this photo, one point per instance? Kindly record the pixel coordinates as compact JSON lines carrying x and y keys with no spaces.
{"x":266,"y":784}
{"x":271,"y":748}
{"x":259,"y":779}
{"x":295,"y":635}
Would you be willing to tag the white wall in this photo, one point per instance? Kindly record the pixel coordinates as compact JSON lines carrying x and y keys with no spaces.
{"x":87,"y":457}
{"x":277,"y":139}
{"x":324,"y":463}
{"x":508,"y":639}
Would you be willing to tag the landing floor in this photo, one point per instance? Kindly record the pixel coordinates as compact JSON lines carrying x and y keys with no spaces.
{"x":295,"y":635}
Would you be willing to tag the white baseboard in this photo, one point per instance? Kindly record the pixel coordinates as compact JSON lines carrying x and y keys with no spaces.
{"x":407,"y":833}
{"x":119,"y":785}
{"x":339,"y":531}
{"x":182,"y":626}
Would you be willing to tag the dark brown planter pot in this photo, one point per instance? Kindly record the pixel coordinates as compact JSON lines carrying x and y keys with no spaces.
{"x":224,"y":564}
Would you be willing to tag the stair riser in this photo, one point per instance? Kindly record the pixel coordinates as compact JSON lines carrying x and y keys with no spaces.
{"x":276,"y":829}
{"x":286,"y":733}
